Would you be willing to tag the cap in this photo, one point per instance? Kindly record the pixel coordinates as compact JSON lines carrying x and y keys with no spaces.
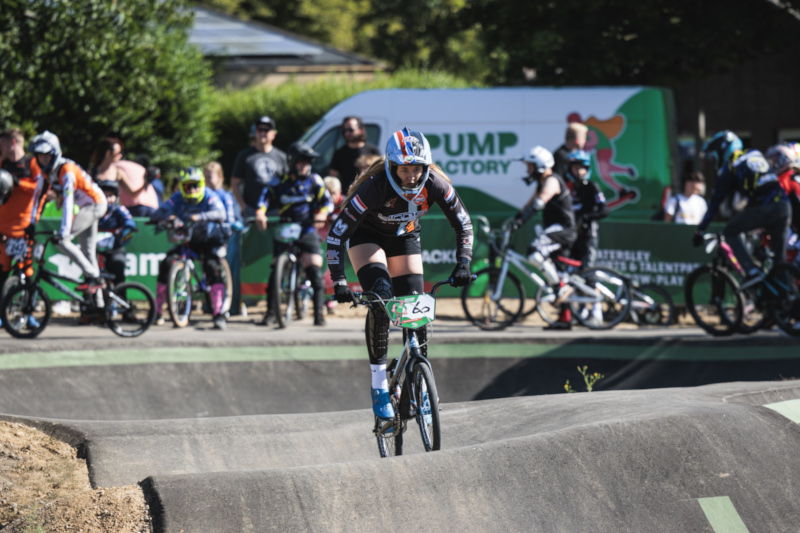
{"x":266,"y":120}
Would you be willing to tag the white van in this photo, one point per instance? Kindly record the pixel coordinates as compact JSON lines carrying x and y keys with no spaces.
{"x":478,"y":136}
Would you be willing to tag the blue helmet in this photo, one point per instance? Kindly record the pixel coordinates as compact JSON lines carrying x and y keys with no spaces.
{"x":407,"y":147}
{"x":579,"y":157}
{"x":721,"y":147}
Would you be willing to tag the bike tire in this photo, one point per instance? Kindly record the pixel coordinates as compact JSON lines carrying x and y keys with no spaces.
{"x":424,"y":388}
{"x":616,"y":304}
{"x":180,"y":293}
{"x":389,"y":445}
{"x":785,"y":309}
{"x":488,"y":314}
{"x":284,"y":295}
{"x":11,"y":282}
{"x":658,"y":313}
{"x":130,"y":309}
{"x":302,"y":297}
{"x":713,"y":299}
{"x":19,"y":305}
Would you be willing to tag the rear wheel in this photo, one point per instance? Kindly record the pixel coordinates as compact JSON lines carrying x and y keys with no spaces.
{"x":490,"y":308}
{"x":284,"y":295}
{"x":713,"y":300}
{"x":615,"y":301}
{"x":785,"y":308}
{"x":130,"y":309}
{"x":652,"y":306}
{"x":180,"y":293}
{"x":25,"y":311}
{"x":426,"y":399}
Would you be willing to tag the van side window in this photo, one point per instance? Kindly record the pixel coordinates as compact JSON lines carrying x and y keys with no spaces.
{"x":332,"y":140}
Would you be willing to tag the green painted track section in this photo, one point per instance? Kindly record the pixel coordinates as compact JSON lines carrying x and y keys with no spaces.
{"x":316,"y":353}
{"x":722,"y":515}
{"x":790,"y":409}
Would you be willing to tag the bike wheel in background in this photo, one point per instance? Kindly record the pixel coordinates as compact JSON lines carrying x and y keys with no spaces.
{"x":546,"y":304}
{"x":25,"y":311}
{"x":302,"y":296}
{"x":616,"y":300}
{"x":490,"y":308}
{"x":389,"y":445}
{"x":284,"y":295}
{"x":714,"y":301}
{"x":652,"y":306}
{"x":130,"y":309}
{"x":755,"y":315}
{"x":426,"y":398}
{"x":179,"y":293}
{"x":785,"y":308}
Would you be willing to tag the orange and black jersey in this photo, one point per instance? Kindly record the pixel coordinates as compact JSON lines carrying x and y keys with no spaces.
{"x":376,"y":207}
{"x":25,"y":205}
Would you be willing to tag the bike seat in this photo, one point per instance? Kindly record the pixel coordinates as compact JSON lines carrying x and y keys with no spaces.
{"x":568,"y":261}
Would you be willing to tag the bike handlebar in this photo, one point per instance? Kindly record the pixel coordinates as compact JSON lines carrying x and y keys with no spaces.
{"x":358,"y":300}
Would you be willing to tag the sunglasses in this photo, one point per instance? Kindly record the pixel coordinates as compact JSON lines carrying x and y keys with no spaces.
{"x":264,"y":129}
{"x":349,"y":130}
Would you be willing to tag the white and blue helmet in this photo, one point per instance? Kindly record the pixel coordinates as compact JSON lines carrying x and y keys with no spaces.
{"x":407,"y":147}
{"x":46,"y":143}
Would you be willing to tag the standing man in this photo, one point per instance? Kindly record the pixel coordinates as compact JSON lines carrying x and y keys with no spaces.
{"x":343,"y":163}
{"x":689,"y":207}
{"x":575,"y":140}
{"x":256,"y":166}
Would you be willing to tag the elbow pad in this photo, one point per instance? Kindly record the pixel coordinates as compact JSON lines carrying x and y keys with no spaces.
{"x":538,"y":204}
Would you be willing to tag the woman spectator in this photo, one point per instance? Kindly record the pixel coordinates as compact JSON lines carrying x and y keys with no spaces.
{"x":135,"y":192}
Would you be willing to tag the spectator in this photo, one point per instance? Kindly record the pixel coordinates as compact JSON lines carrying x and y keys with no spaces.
{"x":334,"y":187}
{"x":152,"y":176}
{"x":134,"y":192}
{"x":215,"y":179}
{"x":689,"y":207}
{"x":575,"y":140}
{"x":256,"y":166}
{"x":343,"y":163}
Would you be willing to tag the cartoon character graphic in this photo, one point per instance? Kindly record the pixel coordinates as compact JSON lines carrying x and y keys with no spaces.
{"x":599,"y":140}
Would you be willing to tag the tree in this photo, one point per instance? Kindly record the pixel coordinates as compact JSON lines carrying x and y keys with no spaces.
{"x":84,"y":69}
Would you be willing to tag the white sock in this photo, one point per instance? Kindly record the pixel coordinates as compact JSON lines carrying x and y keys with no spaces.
{"x":379,"y":377}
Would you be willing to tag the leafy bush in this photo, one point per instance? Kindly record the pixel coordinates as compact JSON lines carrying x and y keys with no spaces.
{"x":297,"y":106}
{"x":84,"y":69}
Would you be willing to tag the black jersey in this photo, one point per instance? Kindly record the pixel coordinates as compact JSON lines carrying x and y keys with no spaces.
{"x":559,"y":208}
{"x":376,"y":207}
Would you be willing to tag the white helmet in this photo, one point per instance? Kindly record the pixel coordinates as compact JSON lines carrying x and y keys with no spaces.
{"x":540,"y":157}
{"x":782,"y":157}
{"x":46,"y":143}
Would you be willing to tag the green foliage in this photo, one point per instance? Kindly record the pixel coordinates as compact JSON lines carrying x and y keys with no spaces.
{"x":297,"y":106}
{"x":84,"y":69}
{"x":588,"y":379}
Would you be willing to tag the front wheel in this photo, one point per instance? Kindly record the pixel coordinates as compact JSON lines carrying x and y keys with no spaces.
{"x":130,"y":309}
{"x":25,"y":311}
{"x":491,"y":302}
{"x":785,"y":307}
{"x":426,"y":400}
{"x":714,"y":301}
{"x":286,"y":276}
{"x":180,"y":293}
{"x":389,"y":444}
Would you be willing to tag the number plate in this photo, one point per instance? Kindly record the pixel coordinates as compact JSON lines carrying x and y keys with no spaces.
{"x":16,"y":249}
{"x":38,"y":251}
{"x":288,"y":232}
{"x":412,"y":311}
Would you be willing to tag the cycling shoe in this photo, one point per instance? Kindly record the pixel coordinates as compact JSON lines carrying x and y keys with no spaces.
{"x":381,"y":404}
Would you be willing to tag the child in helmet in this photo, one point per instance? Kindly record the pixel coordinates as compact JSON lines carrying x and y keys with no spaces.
{"x":589,"y":205}
{"x":768,"y":206}
{"x":300,"y":196}
{"x":196,"y":204}
{"x":551,"y":197}
{"x":380,"y":219}
{"x":73,"y":187}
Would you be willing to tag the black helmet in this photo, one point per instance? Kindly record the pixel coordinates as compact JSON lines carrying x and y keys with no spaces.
{"x":109,"y":185}
{"x":300,"y":151}
{"x":6,"y":185}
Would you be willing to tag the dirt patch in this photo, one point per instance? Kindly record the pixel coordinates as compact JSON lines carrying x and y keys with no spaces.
{"x":45,"y":487}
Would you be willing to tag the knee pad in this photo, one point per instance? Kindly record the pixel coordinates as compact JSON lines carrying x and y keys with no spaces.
{"x":213,"y":269}
{"x":408,"y":284}
{"x":314,"y":275}
{"x":375,"y":277}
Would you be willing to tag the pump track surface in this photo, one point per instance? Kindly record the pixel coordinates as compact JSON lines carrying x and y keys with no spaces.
{"x":257,"y":429}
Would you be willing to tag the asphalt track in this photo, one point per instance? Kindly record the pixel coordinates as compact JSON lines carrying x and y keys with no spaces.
{"x":269,"y":430}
